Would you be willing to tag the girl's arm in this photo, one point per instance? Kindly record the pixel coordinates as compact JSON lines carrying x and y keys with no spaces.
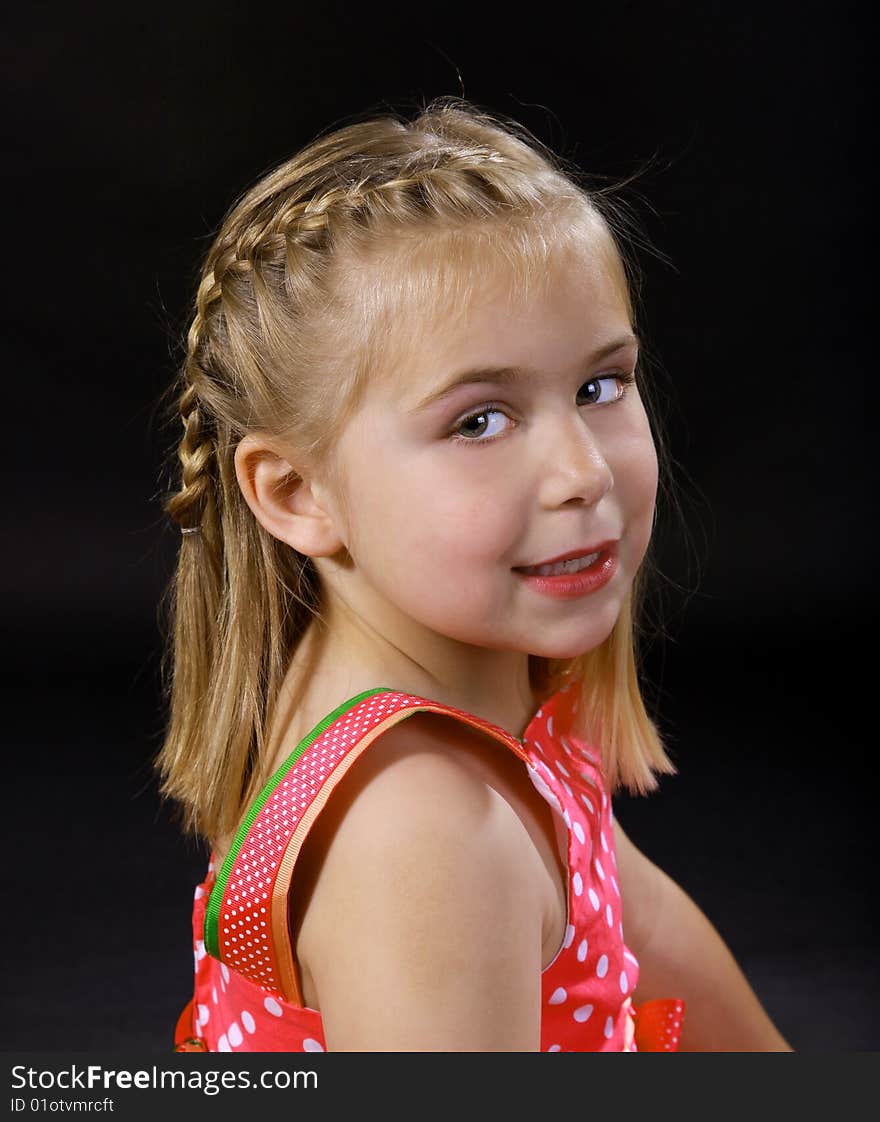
{"x":425,"y":929}
{"x":682,"y":955}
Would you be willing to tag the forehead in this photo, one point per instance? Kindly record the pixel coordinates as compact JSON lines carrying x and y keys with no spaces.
{"x":445,"y":294}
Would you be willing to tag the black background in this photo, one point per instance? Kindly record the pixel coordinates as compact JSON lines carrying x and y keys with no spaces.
{"x":129,"y":132}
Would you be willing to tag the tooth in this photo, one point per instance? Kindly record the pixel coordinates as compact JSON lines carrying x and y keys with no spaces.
{"x":574,"y":564}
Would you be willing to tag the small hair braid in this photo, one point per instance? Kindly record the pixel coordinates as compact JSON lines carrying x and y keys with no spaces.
{"x":196,"y":450}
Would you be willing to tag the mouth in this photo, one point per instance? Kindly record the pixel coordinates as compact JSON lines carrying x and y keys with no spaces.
{"x":572,"y":562}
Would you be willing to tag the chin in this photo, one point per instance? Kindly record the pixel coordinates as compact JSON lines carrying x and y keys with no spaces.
{"x":578,"y":645}
{"x":568,"y":654}
{"x":570,"y":650}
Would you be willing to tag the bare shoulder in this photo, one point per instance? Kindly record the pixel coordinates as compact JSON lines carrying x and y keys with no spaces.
{"x":427,"y":892}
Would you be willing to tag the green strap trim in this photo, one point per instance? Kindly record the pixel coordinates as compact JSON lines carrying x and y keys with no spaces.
{"x":212,"y":911}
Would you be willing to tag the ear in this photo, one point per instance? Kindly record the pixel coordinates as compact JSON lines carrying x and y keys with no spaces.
{"x":292,"y":507}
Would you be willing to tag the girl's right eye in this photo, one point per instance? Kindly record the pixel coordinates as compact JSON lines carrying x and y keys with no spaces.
{"x":478,"y":420}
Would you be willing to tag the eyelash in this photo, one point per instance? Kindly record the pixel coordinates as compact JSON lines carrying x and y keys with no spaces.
{"x":627,"y":381}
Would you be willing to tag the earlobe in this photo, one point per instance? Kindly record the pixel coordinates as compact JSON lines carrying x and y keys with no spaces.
{"x":285,"y":503}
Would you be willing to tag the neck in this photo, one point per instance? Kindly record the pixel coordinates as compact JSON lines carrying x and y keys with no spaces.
{"x":347,"y":655}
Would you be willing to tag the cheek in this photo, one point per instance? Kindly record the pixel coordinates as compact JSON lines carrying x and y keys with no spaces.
{"x":641,"y":453}
{"x":453,"y":516}
{"x":644,"y":474}
{"x":409,"y":517}
{"x":471,"y":510}
{"x":636,"y":479}
{"x":433,"y":551}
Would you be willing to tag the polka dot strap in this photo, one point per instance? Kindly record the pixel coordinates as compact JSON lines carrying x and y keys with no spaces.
{"x":246,"y":917}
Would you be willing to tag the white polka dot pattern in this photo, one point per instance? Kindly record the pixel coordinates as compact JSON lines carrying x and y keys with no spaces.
{"x":587,"y":987}
{"x":596,"y":1014}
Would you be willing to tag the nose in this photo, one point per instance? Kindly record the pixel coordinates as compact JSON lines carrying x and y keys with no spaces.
{"x":576,"y":467}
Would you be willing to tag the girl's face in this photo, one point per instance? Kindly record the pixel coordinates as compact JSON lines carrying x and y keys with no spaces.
{"x":448,"y":492}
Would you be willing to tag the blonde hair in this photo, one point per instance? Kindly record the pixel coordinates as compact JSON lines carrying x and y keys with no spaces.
{"x":286,"y":335}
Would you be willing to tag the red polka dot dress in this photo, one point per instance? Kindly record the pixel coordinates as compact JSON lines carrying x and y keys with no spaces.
{"x":247,"y":996}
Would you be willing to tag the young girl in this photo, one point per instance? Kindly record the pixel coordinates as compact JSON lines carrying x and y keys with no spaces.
{"x":418,"y":490}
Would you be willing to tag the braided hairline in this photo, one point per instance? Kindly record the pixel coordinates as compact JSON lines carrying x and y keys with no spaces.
{"x":312,"y":215}
{"x":305,"y":216}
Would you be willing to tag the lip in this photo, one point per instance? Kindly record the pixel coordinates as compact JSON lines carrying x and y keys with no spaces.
{"x":584,"y":551}
{"x":571,"y":586}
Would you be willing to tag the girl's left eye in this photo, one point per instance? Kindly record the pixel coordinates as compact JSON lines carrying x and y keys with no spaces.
{"x":595,"y":389}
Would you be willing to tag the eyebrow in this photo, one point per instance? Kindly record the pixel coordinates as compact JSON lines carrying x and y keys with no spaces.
{"x":507,"y":375}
